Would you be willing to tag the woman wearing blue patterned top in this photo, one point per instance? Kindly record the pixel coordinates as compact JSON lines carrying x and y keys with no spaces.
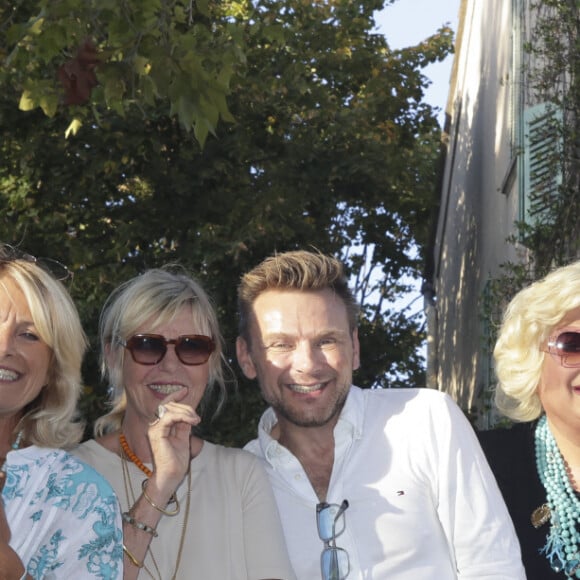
{"x":58,"y":517}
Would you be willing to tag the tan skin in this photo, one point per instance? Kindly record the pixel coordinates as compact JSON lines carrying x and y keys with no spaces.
{"x":166,"y":443}
{"x":315,"y":451}
{"x":302,"y":352}
{"x":11,"y":566}
{"x":24,"y":361}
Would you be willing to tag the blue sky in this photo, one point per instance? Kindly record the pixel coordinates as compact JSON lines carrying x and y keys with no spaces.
{"x":407,"y":22}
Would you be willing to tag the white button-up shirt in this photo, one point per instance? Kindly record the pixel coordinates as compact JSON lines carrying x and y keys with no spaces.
{"x":424,"y":504}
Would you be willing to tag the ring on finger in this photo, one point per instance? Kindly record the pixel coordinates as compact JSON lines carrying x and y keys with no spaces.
{"x":155,"y":421}
{"x":161,"y":410}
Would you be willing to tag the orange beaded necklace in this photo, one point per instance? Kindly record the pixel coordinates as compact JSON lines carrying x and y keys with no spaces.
{"x":132,"y":457}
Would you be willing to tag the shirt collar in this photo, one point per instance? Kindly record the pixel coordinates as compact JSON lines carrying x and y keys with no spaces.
{"x":350,"y":424}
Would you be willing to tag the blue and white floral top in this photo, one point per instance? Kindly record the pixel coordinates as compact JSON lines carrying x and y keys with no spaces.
{"x":63,"y":515}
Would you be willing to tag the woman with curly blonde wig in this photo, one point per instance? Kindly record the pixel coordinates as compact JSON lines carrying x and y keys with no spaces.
{"x":537,"y":461}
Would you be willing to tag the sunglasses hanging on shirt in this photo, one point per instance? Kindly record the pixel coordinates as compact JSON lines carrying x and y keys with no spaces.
{"x":334,"y":561}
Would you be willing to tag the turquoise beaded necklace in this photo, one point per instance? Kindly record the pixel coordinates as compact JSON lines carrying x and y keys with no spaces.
{"x":561,"y":547}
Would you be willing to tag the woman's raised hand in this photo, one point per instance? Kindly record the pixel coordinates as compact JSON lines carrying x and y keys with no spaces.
{"x":169,"y":436}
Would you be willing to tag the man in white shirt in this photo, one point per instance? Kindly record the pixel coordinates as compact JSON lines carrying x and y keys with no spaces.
{"x":381,"y":484}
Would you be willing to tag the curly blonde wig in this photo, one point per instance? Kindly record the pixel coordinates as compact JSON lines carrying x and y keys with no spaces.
{"x":529,"y":320}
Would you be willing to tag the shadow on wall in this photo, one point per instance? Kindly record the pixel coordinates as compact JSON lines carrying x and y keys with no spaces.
{"x":478,"y":135}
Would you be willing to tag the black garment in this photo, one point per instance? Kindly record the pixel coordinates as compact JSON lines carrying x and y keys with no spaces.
{"x":512,"y":457}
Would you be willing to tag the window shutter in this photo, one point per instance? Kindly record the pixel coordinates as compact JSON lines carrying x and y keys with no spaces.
{"x":542,"y":175}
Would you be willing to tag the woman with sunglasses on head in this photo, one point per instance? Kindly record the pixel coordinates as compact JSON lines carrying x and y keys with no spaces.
{"x":537,"y":461}
{"x":59,"y":518}
{"x":191,"y":509}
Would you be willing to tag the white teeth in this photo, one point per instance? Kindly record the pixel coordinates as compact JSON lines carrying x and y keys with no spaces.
{"x":165,"y":389}
{"x":305,"y":389}
{"x":6,"y":375}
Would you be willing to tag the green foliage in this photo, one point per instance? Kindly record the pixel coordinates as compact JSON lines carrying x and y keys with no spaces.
{"x":554,"y":77}
{"x":179,"y":54}
{"x":328,"y":145}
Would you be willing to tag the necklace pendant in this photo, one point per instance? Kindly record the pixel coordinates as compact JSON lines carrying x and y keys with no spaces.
{"x":541,"y":515}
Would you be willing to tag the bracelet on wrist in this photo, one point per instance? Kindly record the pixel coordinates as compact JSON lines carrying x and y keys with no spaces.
{"x":127,"y":517}
{"x":164,"y":511}
{"x":134,"y":560}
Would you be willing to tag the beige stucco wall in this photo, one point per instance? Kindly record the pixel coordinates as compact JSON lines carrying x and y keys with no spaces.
{"x":476,"y":216}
